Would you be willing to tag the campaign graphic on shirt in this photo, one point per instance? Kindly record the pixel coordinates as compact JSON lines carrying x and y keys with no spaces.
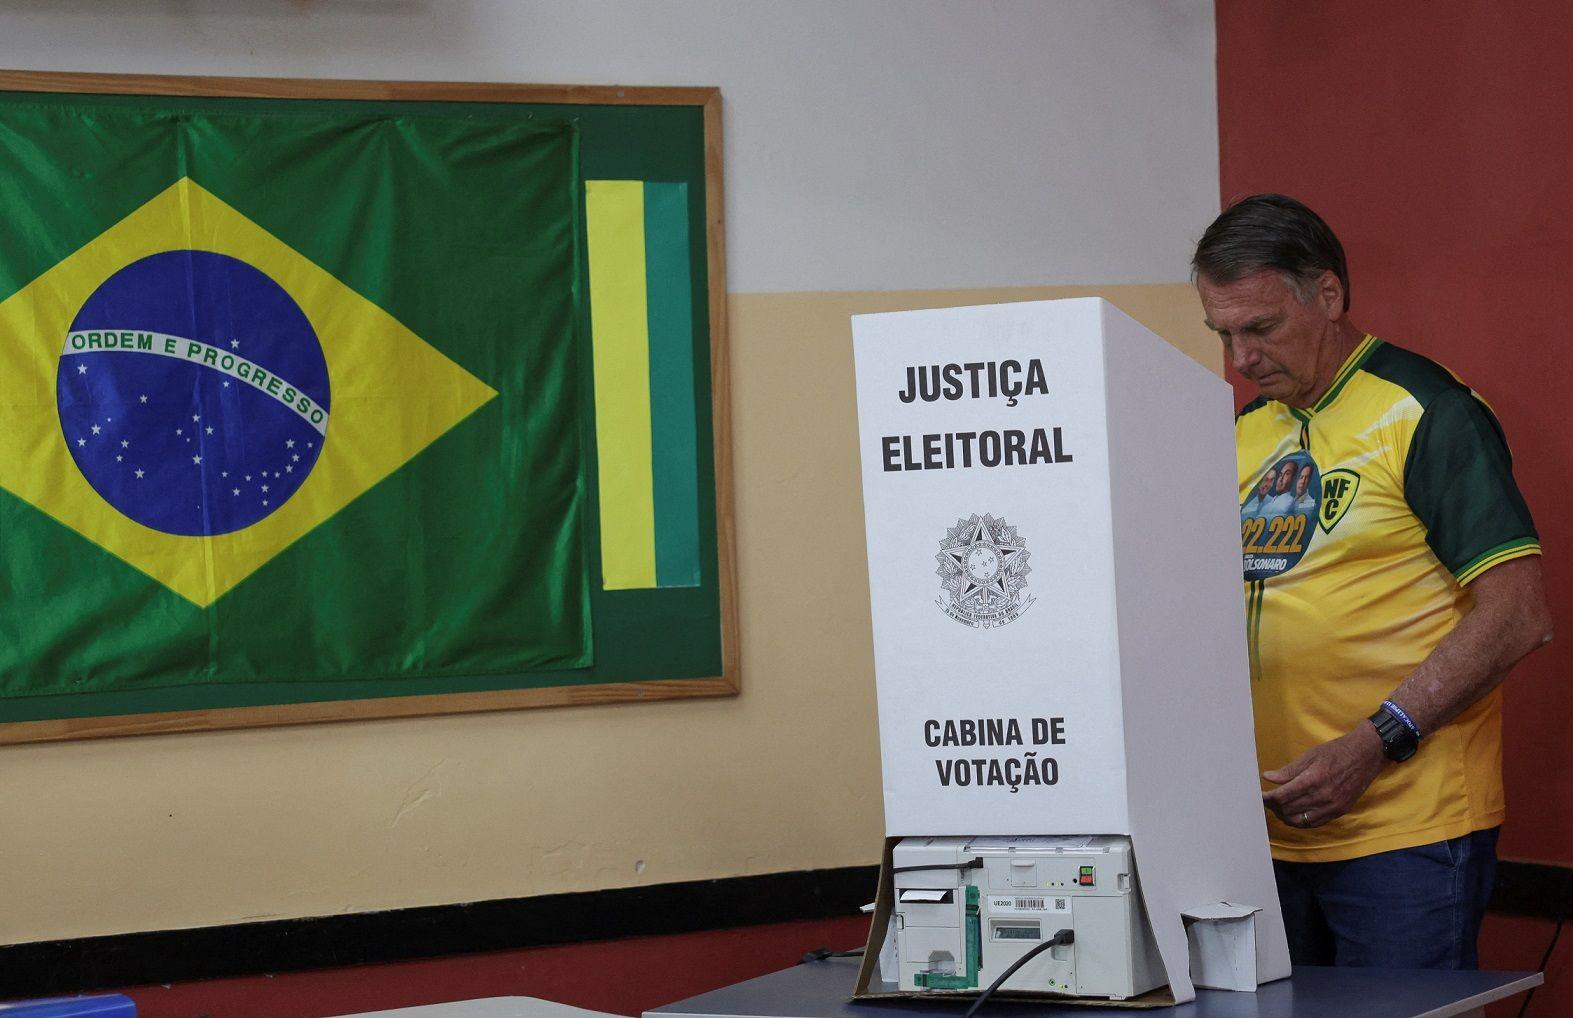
{"x":1279,"y":517}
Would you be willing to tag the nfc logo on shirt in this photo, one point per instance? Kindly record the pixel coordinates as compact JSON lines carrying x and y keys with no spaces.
{"x":1338,"y":494}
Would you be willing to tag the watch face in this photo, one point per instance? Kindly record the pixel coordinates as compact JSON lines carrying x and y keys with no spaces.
{"x":1398,"y":742}
{"x":983,"y":563}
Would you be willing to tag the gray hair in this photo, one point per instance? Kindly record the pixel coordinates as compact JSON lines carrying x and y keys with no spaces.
{"x":1276,"y":233}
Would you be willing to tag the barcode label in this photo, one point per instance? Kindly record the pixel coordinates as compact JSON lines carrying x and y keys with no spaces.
{"x":1009,"y":904}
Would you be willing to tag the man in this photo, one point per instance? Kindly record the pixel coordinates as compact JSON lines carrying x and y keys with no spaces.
{"x":1376,"y":655}
{"x":1282,"y":502}
{"x":1257,"y":503}
{"x":1303,"y":500}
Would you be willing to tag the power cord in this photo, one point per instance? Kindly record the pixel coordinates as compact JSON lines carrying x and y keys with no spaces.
{"x":970,"y":864}
{"x":1062,"y":937}
{"x":821,"y":953}
{"x":1544,"y":960}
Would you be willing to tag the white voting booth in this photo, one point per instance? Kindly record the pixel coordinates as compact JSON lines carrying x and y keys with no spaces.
{"x":1054,"y":569}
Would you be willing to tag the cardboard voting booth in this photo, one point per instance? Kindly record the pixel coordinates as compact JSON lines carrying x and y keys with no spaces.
{"x":1054,"y":570}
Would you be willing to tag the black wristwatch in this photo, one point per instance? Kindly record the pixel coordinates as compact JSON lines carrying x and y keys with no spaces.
{"x":1399,"y":738}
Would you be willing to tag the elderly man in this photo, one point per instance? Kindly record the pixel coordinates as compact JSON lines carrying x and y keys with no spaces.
{"x":1376,"y":655}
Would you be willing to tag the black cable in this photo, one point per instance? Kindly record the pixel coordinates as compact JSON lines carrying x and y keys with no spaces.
{"x":971,"y":864}
{"x":1062,"y":937}
{"x":821,"y":953}
{"x":1544,"y":960}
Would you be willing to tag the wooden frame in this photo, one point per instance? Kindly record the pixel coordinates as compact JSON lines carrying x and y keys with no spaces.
{"x":728,"y":683}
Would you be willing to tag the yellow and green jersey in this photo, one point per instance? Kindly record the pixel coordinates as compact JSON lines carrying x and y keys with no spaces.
{"x":1363,"y":521}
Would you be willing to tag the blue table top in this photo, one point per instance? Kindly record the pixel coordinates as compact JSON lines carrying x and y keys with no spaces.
{"x":111,"y":1005}
{"x":822,"y":989}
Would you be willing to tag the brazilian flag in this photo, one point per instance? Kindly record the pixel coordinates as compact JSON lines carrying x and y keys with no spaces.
{"x":286,"y":396}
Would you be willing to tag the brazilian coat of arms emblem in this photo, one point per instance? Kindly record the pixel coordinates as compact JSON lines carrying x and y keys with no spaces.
{"x":983,"y":572}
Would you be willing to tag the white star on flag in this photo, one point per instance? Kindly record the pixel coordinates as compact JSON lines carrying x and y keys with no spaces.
{"x":81,"y":369}
{"x":139,"y":473}
{"x":196,"y":459}
{"x":141,"y":399}
{"x":95,"y":429}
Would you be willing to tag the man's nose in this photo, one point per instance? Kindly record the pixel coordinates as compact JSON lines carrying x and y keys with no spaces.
{"x":1244,"y":355}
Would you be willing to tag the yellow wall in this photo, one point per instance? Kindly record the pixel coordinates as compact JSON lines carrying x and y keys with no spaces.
{"x":160,"y":832}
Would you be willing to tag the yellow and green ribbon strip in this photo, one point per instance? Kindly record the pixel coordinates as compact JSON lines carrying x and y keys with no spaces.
{"x":642,"y":325}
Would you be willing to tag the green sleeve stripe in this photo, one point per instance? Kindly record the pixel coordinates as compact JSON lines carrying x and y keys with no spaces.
{"x":1496,"y":556}
{"x":1421,"y":377}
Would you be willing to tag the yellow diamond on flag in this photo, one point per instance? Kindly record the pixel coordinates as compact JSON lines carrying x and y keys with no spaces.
{"x":392,"y":395}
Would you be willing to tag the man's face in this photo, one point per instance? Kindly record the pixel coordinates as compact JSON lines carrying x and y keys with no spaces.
{"x":1267,"y":482}
{"x":1284,"y":477}
{"x":1302,"y":482}
{"x":1268,"y":335}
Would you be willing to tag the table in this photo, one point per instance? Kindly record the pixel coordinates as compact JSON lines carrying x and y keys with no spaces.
{"x":489,"y":1007}
{"x":820,"y":990}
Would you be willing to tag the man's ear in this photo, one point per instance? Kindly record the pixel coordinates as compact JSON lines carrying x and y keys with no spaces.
{"x":1330,"y":292}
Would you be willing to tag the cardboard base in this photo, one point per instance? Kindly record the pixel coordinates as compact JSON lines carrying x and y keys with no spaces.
{"x":1154,"y":998}
{"x":868,"y":988}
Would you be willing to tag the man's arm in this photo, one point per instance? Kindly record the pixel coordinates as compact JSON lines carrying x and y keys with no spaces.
{"x":1508,"y":620}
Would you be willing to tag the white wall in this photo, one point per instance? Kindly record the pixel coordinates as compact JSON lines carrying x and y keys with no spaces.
{"x":870,"y":144}
{"x":873,"y":146}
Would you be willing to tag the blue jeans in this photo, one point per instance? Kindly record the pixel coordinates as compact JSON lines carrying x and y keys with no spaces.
{"x":1412,"y":908}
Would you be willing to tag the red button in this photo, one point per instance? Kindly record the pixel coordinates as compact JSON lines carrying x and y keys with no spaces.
{"x":1086,"y":880}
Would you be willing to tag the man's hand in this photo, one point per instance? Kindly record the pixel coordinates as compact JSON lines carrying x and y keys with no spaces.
{"x":1325,"y":781}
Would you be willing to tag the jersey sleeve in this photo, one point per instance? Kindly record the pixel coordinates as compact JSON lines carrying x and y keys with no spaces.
{"x":1458,"y":479}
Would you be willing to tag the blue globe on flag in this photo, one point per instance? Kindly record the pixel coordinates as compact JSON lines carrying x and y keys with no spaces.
{"x":193,"y":393}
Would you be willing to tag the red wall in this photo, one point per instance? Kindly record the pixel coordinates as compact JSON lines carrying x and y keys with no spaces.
{"x":1437,"y":141}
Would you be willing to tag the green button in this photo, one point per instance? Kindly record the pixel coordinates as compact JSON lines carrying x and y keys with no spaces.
{"x":1086,"y":871}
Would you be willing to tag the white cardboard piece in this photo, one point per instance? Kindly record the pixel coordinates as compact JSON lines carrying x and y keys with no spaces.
{"x":1222,"y":940}
{"x":1103,"y":618}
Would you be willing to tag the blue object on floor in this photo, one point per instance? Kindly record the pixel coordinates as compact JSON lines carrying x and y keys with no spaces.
{"x":109,"y":1005}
